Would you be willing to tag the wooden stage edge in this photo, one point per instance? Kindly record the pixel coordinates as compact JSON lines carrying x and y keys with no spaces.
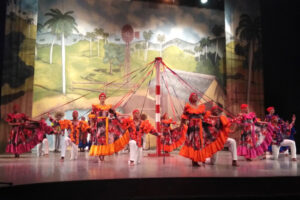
{"x":152,"y":179}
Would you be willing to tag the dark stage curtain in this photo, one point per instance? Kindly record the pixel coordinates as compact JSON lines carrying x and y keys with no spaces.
{"x":18,"y":61}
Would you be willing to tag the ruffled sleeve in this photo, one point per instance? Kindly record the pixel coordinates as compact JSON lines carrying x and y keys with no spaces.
{"x":146,"y":127}
{"x":185,"y":114}
{"x":9,"y":117}
{"x":207,"y":114}
{"x":84,"y":126}
{"x":188,"y":109}
{"x":224,"y":120}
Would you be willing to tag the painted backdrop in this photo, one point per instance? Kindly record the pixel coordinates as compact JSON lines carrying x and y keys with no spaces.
{"x":61,"y":54}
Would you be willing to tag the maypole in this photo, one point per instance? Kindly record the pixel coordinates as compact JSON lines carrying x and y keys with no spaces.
{"x":158,"y":62}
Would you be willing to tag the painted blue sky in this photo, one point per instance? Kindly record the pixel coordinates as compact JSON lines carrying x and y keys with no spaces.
{"x":187,"y":23}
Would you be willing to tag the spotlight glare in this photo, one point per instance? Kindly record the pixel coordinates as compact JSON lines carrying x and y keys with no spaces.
{"x":203,"y":1}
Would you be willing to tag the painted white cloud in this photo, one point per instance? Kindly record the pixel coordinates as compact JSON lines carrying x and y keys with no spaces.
{"x":190,"y":24}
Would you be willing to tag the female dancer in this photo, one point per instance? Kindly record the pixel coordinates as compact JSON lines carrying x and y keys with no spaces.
{"x":256,"y":135}
{"x":108,"y":136}
{"x":199,"y":144}
{"x":44,"y":129}
{"x":25,"y":133}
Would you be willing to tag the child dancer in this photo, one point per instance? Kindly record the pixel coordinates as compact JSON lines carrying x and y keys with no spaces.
{"x":172,"y":137}
{"x":44,"y":129}
{"x":56,"y":124}
{"x":83,"y":132}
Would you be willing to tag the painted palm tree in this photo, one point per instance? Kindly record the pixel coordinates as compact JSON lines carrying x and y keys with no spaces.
{"x":99,"y":35}
{"x":147,"y":36}
{"x":62,"y":24}
{"x":204,"y":43}
{"x":217,"y":30}
{"x":39,"y":28}
{"x":114,"y":55}
{"x":249,"y":30}
{"x":54,"y":32}
{"x":105,"y":36}
{"x":160,"y":39}
{"x":90,"y":36}
{"x":24,"y":14}
{"x":198,"y":49}
{"x":138,"y":47}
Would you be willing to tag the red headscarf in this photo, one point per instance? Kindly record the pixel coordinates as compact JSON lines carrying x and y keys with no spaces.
{"x":243,"y":106}
{"x":75,"y":111}
{"x":270,"y":108}
{"x":216,"y":107}
{"x":102,"y":95}
{"x":190,"y":98}
{"x":164,"y":116}
{"x":134,"y":111}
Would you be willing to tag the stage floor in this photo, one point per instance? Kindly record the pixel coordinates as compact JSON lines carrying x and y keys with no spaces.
{"x":31,"y":169}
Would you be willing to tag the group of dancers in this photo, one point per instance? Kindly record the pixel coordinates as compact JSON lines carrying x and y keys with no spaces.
{"x":200,"y":134}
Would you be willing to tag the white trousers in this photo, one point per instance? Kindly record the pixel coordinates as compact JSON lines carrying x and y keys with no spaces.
{"x":74,"y":148}
{"x":144,"y":141}
{"x":231,"y":144}
{"x":135,"y":153}
{"x":285,"y":142}
{"x":39,"y":148}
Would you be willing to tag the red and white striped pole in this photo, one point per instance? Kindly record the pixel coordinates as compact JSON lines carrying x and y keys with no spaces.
{"x":157,"y":103}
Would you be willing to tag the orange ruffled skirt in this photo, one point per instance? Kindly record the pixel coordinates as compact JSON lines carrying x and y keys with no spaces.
{"x":207,"y":151}
{"x":175,"y":144}
{"x":109,"y":149}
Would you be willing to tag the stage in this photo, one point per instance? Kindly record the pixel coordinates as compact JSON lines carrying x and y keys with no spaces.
{"x":152,"y":178}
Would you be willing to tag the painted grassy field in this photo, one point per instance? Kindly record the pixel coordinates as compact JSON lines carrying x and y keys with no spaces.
{"x":81,"y":67}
